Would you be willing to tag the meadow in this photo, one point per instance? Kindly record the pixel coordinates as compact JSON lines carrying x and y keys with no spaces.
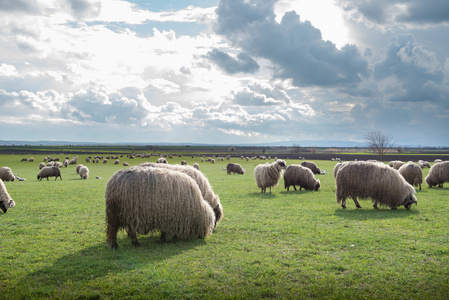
{"x":295,"y":244}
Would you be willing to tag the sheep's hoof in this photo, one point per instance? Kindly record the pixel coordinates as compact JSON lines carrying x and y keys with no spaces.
{"x":375,"y":206}
{"x":114,"y":245}
{"x":358,"y":206}
{"x":343,"y":206}
{"x":394,"y":208}
{"x":135,"y":243}
{"x":163,"y":237}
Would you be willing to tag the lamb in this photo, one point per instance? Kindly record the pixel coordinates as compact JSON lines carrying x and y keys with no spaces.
{"x":143,"y":200}
{"x":412,"y":174}
{"x":302,"y":176}
{"x":204,"y":185}
{"x":6,"y":174}
{"x":312,"y":166}
{"x":384,"y":185}
{"x":234,"y":168}
{"x":84,"y":172}
{"x":49,"y":172}
{"x":268,"y":175}
{"x":438,"y":174}
{"x":5,"y":199}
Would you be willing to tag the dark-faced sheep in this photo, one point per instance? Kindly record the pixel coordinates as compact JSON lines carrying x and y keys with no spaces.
{"x":5,"y":199}
{"x":6,"y":174}
{"x":268,"y":175}
{"x":142,"y":200}
{"x":412,"y":174}
{"x":302,"y":176}
{"x":312,"y":166}
{"x":438,"y":174}
{"x":384,"y":185}
{"x":49,"y":172}
{"x":206,"y":189}
{"x":234,"y":168}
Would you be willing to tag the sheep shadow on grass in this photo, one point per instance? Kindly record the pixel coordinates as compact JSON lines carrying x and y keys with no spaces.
{"x":367,"y":212}
{"x":98,"y":261}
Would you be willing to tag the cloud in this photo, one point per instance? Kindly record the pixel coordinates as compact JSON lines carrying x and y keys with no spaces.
{"x":295,"y":48}
{"x":243,"y":63}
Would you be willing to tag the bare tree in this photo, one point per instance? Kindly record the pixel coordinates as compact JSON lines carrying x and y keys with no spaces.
{"x":379,"y":142}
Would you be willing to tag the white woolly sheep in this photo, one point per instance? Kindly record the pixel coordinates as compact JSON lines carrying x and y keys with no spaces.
{"x":312,"y":166}
{"x":84,"y":172}
{"x":438,"y":174}
{"x":268,"y":175}
{"x":143,"y":200}
{"x":412,"y":174}
{"x":162,"y":160}
{"x":6,"y":174}
{"x":234,"y":168}
{"x":202,"y":181}
{"x":19,"y":179}
{"x":302,"y":176}
{"x":437,"y":161}
{"x":126,"y":164}
{"x":337,"y":166}
{"x":396,"y":164}
{"x":78,"y":167}
{"x":423,"y":164}
{"x":384,"y":185}
{"x":41,"y":165}
{"x":49,"y":172}
{"x":196,"y":166}
{"x":6,"y":201}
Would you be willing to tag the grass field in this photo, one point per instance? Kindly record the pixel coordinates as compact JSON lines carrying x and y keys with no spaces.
{"x":293,"y":244}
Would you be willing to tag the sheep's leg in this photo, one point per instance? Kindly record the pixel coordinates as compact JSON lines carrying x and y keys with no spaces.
{"x":375,"y":205}
{"x":270,"y":189}
{"x":133,"y":235}
{"x":111,"y":233}
{"x":356,"y":202}
{"x":420,"y":186}
{"x":343,"y":203}
{"x":294,"y":187}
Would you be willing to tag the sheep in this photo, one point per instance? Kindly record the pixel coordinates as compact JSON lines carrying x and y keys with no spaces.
{"x":437,"y":161}
{"x":41,"y":165}
{"x":49,"y":172}
{"x":268,"y":175}
{"x":58,"y":164}
{"x":312,"y":166}
{"x":196,"y":166}
{"x":6,"y":174}
{"x":78,"y":167}
{"x":438,"y":174}
{"x":142,"y":200}
{"x":396,"y":164}
{"x":125,"y":164}
{"x":384,"y":185}
{"x":84,"y":172}
{"x":24,"y":159}
{"x":66,"y":162}
{"x":116,"y":162}
{"x":19,"y":179}
{"x":183,"y":163}
{"x":5,"y":199}
{"x":105,"y":161}
{"x":204,"y":185}
{"x":161,"y":160}
{"x":423,"y":164}
{"x":234,"y":168}
{"x":302,"y":176}
{"x":412,"y":174}
{"x":336,"y":168}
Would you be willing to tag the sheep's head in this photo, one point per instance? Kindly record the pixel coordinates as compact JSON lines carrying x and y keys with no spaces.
{"x":317,"y":185}
{"x":218,"y":210}
{"x":409,"y":200}
{"x":281,"y":164}
{"x":4,"y":206}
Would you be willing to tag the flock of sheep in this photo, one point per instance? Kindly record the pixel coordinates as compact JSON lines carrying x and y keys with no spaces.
{"x":178,"y":201}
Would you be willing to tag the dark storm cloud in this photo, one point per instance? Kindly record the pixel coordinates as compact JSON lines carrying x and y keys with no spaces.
{"x":296,"y":48}
{"x":242,"y":64}
{"x":426,"y":11}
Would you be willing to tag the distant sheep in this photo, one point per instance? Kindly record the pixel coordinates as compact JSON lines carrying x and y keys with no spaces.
{"x":84,"y":172}
{"x":165,"y":200}
{"x":183,"y":163}
{"x":24,"y":159}
{"x":126,"y":164}
{"x":161,"y":160}
{"x":384,"y":185}
{"x":41,"y":165}
{"x":412,"y":174}
{"x":438,"y":174}
{"x":49,"y":172}
{"x":234,"y":168}
{"x":312,"y":166}
{"x":58,"y":164}
{"x":437,"y":161}
{"x":202,"y":181}
{"x":116,"y":162}
{"x":337,"y":166}
{"x":5,"y":199}
{"x":268,"y":175}
{"x":302,"y":176}
{"x":396,"y":164}
{"x":6,"y":174}
{"x":19,"y":179}
{"x":423,"y":164}
{"x":196,"y":166}
{"x":78,"y":167}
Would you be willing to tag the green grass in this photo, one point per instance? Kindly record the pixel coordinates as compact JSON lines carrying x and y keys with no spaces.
{"x":278,"y":245}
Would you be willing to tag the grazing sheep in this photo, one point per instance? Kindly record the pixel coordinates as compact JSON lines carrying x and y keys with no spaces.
{"x":438,"y":174}
{"x":268,"y":175}
{"x":204,"y":185}
{"x":105,"y":160}
{"x":5,"y":199}
{"x":183,"y":163}
{"x":234,"y":168}
{"x":24,"y":159}
{"x":384,"y":185}
{"x":58,"y":164}
{"x":84,"y":172}
{"x":66,"y":162}
{"x":126,"y":164}
{"x":302,"y":176}
{"x":49,"y":172}
{"x":6,"y":174}
{"x":142,"y":200}
{"x":336,"y":168}
{"x":20,"y":179}
{"x":396,"y":164}
{"x":423,"y":164}
{"x":116,"y":162}
{"x":162,"y":160}
{"x":312,"y":166}
{"x":41,"y":165}
{"x":412,"y":174}
{"x":196,"y":166}
{"x":437,"y":161}
{"x":78,"y":167}
{"x":31,"y":159}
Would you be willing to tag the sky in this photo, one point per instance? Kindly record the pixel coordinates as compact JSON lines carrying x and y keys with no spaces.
{"x":224,"y":72}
